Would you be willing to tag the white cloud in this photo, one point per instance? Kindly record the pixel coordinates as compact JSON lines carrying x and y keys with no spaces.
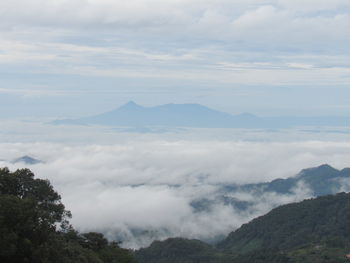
{"x":191,"y":65}
{"x":220,"y":42}
{"x":260,"y":18}
{"x":313,"y":5}
{"x":125,"y":188}
{"x":32,"y":92}
{"x":268,"y":42}
{"x":262,"y":21}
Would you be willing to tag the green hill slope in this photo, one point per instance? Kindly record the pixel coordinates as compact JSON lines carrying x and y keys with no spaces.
{"x":294,"y":225}
{"x":34,"y":226}
{"x":315,"y":230}
{"x":179,"y":250}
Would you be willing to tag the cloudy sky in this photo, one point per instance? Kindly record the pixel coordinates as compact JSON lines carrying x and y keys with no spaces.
{"x":69,"y":58}
{"x":63,"y":58}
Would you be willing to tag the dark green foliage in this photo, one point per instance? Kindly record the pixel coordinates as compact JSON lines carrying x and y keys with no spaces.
{"x":263,"y":256}
{"x":294,"y":225}
{"x":179,"y":250}
{"x":113,"y":254}
{"x":310,"y":254}
{"x":34,"y":226}
{"x":29,"y":211}
{"x":106,"y":251}
{"x":34,"y":229}
{"x":315,"y":230}
{"x":319,"y":254}
{"x":93,"y":240}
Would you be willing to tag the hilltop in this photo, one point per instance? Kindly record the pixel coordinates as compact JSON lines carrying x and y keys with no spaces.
{"x":314,"y":230}
{"x":316,"y":181}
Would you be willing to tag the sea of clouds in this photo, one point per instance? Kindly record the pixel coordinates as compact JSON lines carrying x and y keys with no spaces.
{"x":141,"y":188}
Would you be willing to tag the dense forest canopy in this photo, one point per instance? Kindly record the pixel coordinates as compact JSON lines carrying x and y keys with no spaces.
{"x":315,"y":230}
{"x":34,"y":226}
{"x":294,"y":225}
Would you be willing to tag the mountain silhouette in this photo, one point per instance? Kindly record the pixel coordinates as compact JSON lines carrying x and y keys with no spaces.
{"x":27,"y":160}
{"x":169,"y":115}
{"x":173,"y":115}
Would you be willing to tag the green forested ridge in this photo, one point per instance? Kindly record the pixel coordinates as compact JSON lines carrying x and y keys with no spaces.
{"x":180,"y":250}
{"x":315,"y":230}
{"x":34,"y":226}
{"x":185,"y":251}
{"x":293,"y":225}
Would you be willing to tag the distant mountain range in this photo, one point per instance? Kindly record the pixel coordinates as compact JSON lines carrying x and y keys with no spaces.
{"x":251,"y":200}
{"x":318,"y":181}
{"x":321,"y":180}
{"x":27,"y":160}
{"x":196,"y":116}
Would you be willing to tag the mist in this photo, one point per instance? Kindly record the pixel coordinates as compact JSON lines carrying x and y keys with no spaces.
{"x":142,"y":190}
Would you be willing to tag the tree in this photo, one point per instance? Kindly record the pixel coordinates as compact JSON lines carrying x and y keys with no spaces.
{"x":30,"y":211}
{"x":34,"y":226}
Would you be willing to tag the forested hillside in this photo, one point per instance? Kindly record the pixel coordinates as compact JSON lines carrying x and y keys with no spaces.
{"x":315,"y":230}
{"x":34,"y":226}
{"x":294,"y":225}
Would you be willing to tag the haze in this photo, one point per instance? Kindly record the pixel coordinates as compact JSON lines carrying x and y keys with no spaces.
{"x":73,"y":60}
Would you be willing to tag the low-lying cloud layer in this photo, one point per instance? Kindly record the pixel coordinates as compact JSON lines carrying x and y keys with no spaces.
{"x":142,"y":190}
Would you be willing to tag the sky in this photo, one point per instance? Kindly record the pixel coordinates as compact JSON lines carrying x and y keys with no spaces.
{"x":73,"y":58}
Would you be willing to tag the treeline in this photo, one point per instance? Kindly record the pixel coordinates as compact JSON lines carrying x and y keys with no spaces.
{"x":34,"y":226}
{"x":315,"y":230}
{"x":179,"y":250}
{"x":294,"y":225}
